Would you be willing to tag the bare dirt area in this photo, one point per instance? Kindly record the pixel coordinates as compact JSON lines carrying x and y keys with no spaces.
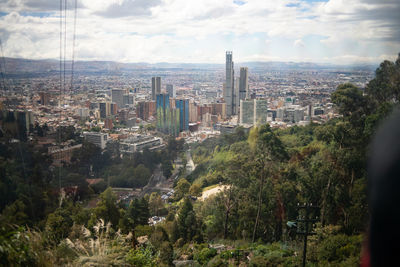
{"x":213,"y":191}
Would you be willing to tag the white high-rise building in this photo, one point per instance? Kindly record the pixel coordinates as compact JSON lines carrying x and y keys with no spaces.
{"x":99,"y":139}
{"x":253,"y":112}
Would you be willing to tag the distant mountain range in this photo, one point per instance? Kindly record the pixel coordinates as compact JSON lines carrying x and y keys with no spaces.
{"x":19,"y":66}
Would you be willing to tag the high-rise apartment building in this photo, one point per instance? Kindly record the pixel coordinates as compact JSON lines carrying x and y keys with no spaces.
{"x":171,"y":91}
{"x":229,"y":84}
{"x":193,"y":112}
{"x":244,"y":83}
{"x":146,"y":109}
{"x":117,"y":96}
{"x":155,"y":87}
{"x":218,"y":109}
{"x":105,"y":109}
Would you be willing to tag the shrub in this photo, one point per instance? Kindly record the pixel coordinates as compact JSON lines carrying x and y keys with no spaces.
{"x":142,"y":230}
{"x":166,"y":253}
{"x":205,"y":255}
{"x":217,"y":261}
{"x":340,"y":247}
{"x":141,"y":257}
{"x":258,"y":261}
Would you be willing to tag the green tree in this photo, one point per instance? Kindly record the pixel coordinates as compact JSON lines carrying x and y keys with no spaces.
{"x":167,"y":253}
{"x":58,"y":225}
{"x":187,"y":222}
{"x":166,"y":167}
{"x":385,"y":86}
{"x":182,"y":188}
{"x":136,"y":214}
{"x":267,"y":148}
{"x":195,"y":190}
{"x":155,"y":204}
{"x":349,"y":101}
{"x":107,"y":208}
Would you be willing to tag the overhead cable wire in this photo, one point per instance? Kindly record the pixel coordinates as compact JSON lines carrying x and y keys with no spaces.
{"x":73,"y":47}
{"x":61,"y":85}
{"x":3,"y":67}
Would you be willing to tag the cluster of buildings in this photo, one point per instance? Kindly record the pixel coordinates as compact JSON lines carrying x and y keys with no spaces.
{"x":235,"y":89}
{"x":250,"y":110}
{"x":138,"y":109}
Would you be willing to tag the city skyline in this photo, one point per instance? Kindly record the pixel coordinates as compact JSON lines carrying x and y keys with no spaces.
{"x":335,"y":31}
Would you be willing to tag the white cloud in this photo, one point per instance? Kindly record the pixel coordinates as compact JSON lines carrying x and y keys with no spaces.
{"x":172,"y":30}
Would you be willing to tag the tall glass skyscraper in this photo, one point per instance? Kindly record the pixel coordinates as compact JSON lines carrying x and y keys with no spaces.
{"x":229,"y":85}
{"x":171,"y":120}
{"x":162,"y":106}
{"x":183,"y":106}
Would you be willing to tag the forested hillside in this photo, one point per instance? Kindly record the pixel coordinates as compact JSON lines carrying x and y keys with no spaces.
{"x":268,"y":173}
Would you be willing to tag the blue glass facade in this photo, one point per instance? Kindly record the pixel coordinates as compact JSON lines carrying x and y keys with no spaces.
{"x":183,"y":106}
{"x":162,"y":107}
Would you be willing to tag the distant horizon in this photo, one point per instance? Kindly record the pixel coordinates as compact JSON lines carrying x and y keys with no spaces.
{"x":207,"y":63}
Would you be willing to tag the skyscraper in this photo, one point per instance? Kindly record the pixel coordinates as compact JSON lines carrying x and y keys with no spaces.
{"x":105,"y":109}
{"x":162,"y":112}
{"x":236,"y":97}
{"x":169,"y":118}
{"x":183,"y":106}
{"x":229,"y":84}
{"x":244,"y":83}
{"x":117,"y":96}
{"x":171,"y":91}
{"x":155,"y":87}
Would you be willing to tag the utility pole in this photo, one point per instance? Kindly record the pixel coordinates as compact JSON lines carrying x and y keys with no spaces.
{"x":305,"y":220}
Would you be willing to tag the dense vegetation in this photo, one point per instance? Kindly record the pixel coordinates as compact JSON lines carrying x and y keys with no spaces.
{"x":266,"y":173}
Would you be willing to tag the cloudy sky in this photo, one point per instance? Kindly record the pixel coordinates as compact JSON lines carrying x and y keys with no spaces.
{"x":197,"y":31}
